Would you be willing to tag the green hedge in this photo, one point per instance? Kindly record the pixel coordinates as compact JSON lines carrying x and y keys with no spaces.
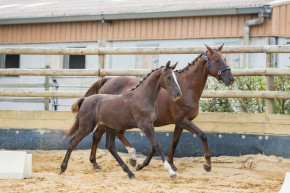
{"x":246,"y":105}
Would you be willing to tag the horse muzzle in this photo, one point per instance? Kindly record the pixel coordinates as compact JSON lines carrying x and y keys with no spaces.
{"x":177,"y":96}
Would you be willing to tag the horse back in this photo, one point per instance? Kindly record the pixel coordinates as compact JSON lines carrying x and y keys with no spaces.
{"x":118,"y":85}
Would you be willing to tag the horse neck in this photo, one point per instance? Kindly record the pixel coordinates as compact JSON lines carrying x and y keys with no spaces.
{"x":150,"y":88}
{"x":194,"y":78}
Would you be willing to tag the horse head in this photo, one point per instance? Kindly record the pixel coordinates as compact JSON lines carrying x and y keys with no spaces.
{"x":169,"y":81}
{"x":217,"y":65}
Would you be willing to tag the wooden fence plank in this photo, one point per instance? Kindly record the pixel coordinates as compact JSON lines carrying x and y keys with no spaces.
{"x":129,"y":72}
{"x":143,"y":50}
{"x":205,"y":94}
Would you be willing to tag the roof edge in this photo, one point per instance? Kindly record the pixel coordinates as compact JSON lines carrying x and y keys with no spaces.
{"x":141,"y":15}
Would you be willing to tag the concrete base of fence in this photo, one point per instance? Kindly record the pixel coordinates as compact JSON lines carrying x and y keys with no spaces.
{"x":220,"y":144}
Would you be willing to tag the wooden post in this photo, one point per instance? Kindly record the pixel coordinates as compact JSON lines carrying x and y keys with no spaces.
{"x":101,"y":58}
{"x":269,"y":85}
{"x":46,"y":100}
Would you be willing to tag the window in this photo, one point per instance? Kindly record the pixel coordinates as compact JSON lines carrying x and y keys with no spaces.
{"x":9,"y":61}
{"x":76,"y":62}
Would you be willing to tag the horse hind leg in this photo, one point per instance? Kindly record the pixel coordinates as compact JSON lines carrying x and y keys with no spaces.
{"x":73,"y":143}
{"x":110,"y":145}
{"x":131,"y":150}
{"x":147,"y":160}
{"x":97,"y":136}
{"x":174,"y":142}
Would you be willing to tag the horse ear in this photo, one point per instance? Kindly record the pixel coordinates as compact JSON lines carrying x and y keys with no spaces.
{"x":209,"y":49}
{"x":174,"y":66}
{"x":221,"y":47}
{"x":168,"y":64}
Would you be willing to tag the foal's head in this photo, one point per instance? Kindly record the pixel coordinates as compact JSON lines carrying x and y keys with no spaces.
{"x":217,"y":66}
{"x":169,"y":81}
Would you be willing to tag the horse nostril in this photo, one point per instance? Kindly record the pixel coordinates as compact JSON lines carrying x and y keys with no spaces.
{"x":178,"y":93}
{"x":232,"y":79}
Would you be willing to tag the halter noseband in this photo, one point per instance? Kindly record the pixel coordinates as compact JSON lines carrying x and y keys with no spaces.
{"x":219,"y":72}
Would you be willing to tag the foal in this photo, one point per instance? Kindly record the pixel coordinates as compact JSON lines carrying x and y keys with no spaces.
{"x":134,"y":109}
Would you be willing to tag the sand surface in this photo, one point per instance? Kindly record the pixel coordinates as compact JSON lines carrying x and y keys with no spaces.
{"x":251,"y":173}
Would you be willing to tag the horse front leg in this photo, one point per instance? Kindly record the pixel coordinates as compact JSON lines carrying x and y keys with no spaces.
{"x":131,"y":150}
{"x":148,"y":130}
{"x":110,"y":145}
{"x":97,"y":136}
{"x":191,"y":127}
{"x":174,"y":142}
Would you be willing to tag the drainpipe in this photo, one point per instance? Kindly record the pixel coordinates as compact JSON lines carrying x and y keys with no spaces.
{"x":246,"y":37}
{"x":264,"y":12}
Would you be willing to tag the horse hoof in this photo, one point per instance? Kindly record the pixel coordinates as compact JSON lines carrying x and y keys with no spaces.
{"x":174,"y":168}
{"x":132,"y":162}
{"x":139,"y":167}
{"x":96,"y":167}
{"x":61,"y":172}
{"x":173,"y":176}
{"x":207,"y":167}
{"x":132,"y":177}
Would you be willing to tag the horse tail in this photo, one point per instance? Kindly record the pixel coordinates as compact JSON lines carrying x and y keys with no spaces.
{"x":94,"y":89}
{"x":74,"y":128}
{"x":76,"y":105}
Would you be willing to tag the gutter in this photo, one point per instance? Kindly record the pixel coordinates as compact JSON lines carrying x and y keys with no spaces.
{"x":266,"y":12}
{"x":141,"y":15}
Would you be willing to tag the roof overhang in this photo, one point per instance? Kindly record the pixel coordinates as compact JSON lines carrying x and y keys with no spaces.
{"x":140,"y":15}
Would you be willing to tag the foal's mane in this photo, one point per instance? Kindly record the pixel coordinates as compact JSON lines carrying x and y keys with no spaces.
{"x":143,"y":79}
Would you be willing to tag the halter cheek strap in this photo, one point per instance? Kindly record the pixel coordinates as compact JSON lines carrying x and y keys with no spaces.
{"x":219,"y":72}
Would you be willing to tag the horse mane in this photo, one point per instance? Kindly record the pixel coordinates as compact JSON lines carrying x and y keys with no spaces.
{"x":145,"y":77}
{"x":191,"y":64}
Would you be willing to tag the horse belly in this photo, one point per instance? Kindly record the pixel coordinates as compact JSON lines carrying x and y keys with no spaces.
{"x":116,"y":116}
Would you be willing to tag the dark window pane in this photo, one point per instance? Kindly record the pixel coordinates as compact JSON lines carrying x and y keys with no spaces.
{"x":77,"y":61}
{"x":12,"y":61}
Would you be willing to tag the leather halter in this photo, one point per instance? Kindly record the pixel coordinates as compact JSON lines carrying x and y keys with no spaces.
{"x":219,"y":72}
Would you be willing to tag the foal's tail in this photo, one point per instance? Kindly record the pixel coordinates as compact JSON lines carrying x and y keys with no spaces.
{"x":75,"y":108}
{"x":94,"y":89}
{"x":74,"y":128}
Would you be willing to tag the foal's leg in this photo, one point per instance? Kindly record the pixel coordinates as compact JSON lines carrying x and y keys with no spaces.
{"x":81,"y":133}
{"x":110,"y":145}
{"x":174,"y":142}
{"x":131,"y":150}
{"x":149,"y":132}
{"x":97,"y":136}
{"x":191,"y":127}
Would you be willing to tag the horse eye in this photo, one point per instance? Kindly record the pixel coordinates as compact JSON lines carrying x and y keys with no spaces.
{"x":168,"y":77}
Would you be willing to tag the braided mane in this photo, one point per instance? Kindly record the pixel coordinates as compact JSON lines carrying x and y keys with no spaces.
{"x":189,"y":64}
{"x":192,"y":63}
{"x":143,"y":79}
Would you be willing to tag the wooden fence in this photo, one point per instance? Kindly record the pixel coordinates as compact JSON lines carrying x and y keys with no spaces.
{"x":269,"y":72}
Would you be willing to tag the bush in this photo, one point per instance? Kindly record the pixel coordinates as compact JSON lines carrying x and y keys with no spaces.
{"x":246,"y":105}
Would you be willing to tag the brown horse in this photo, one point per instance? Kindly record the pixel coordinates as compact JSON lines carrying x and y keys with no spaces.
{"x":192,"y":80}
{"x":133,"y":109}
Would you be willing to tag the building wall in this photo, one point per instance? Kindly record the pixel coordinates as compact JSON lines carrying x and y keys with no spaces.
{"x":138,"y":29}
